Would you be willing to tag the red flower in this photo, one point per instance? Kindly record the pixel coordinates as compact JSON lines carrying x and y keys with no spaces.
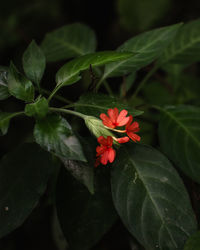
{"x":131,"y":129}
{"x":114,"y":118}
{"x":105,"y":152}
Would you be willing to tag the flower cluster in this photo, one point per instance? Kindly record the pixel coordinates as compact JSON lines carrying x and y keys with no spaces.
{"x":114,"y":119}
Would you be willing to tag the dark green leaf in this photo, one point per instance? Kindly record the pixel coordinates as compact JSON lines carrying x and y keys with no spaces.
{"x":95,"y":104}
{"x":23,"y":177}
{"x":5,"y":120}
{"x":185,"y":48}
{"x":69,"y":41}
{"x":151,"y":199}
{"x":74,"y":67}
{"x":55,"y":135}
{"x":19,"y":86}
{"x":38,"y":109}
{"x":141,"y":15}
{"x":127,"y":83}
{"x":148,"y":46}
{"x":193,"y":243}
{"x":179,"y":134}
{"x":84,"y":218}
{"x":4,"y":93}
{"x":34,"y":62}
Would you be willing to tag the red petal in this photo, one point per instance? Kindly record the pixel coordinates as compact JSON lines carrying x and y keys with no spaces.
{"x":109,"y":141}
{"x":104,"y":158}
{"x":123,"y":139}
{"x":134,"y":127}
{"x":100,"y":150}
{"x":97,"y":162}
{"x":123,"y":122}
{"x":106,"y":121}
{"x":133,"y":136}
{"x":102,"y":140}
{"x":113,"y":114}
{"x":111,"y":155}
{"x":129,"y":122}
{"x":122,"y":115}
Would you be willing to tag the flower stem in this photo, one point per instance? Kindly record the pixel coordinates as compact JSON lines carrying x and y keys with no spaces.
{"x":146,"y":78}
{"x":67,"y":111}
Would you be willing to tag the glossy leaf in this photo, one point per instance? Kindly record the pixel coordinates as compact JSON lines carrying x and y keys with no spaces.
{"x":151,"y":199}
{"x":5,"y":121}
{"x":23,"y":176}
{"x":37,"y":109}
{"x":4,"y":93}
{"x":185,"y":48}
{"x":179,"y":134}
{"x":69,"y":41}
{"x":34,"y":62}
{"x":95,"y":104}
{"x":19,"y":86}
{"x":84,"y":218}
{"x":193,"y":243}
{"x":148,"y":46}
{"x":74,"y":67}
{"x":54,"y":134}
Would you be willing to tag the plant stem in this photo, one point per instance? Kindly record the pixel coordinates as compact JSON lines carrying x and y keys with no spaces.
{"x":146,"y":78}
{"x":67,"y":111}
{"x":99,"y":83}
{"x":58,"y":97}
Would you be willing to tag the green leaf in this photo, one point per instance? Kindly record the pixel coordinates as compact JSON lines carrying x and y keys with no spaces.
{"x":95,"y":104}
{"x":84,"y":218}
{"x":185,"y":48}
{"x":83,"y":171}
{"x":193,"y":242}
{"x":151,"y":199}
{"x":127,"y":83}
{"x":19,"y":86}
{"x":74,"y":67}
{"x":34,"y":63}
{"x":4,"y":93}
{"x":179,"y":134}
{"x":54,"y":134}
{"x":141,"y":15}
{"x":23,"y":177}
{"x":37,"y":109}
{"x":148,"y":46}
{"x":69,"y":41}
{"x":5,"y":120}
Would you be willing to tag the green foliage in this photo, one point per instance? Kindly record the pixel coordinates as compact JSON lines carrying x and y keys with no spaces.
{"x":34,"y":63}
{"x":147,"y":46}
{"x":19,"y":86}
{"x":55,"y":135}
{"x":23,"y":176}
{"x":84,"y":217}
{"x":4,"y":93}
{"x":69,"y":41}
{"x":185,"y":47}
{"x":193,"y":242}
{"x":37,"y":109}
{"x":151,"y":198}
{"x":5,"y":121}
{"x":179,"y":134}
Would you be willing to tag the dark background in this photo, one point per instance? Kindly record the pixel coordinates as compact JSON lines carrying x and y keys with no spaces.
{"x":113,"y":22}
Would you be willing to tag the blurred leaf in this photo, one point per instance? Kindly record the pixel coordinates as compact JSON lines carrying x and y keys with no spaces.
{"x":193,"y":243}
{"x":34,"y":62}
{"x":5,"y":120}
{"x":185,"y":48}
{"x":69,"y":41}
{"x":73,"y":68}
{"x":140,"y":15}
{"x":95,"y":104}
{"x":54,"y":134}
{"x":148,"y":46}
{"x":127,"y":83}
{"x":83,"y":171}
{"x":4,"y":93}
{"x":179,"y":134}
{"x":19,"y":86}
{"x":157,"y":94}
{"x":23,"y":177}
{"x":38,"y":109}
{"x":84,"y":218}
{"x":151,"y":199}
